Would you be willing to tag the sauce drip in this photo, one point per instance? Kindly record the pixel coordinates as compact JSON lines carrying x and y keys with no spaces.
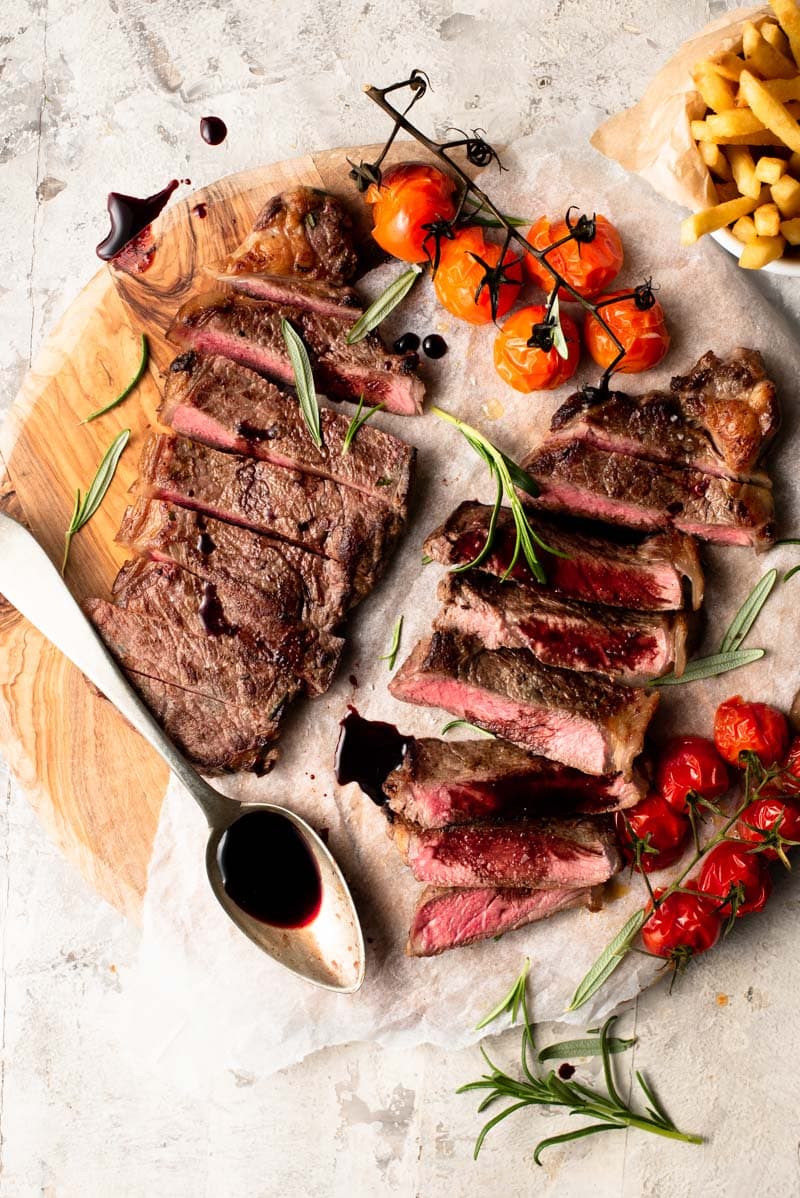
{"x":205,"y":545}
{"x":130,"y":216}
{"x":211,"y":614}
{"x":213,"y":130}
{"x":269,"y":871}
{"x":367,"y":752}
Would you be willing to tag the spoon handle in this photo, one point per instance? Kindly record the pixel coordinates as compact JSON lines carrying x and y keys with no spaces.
{"x":33,"y":585}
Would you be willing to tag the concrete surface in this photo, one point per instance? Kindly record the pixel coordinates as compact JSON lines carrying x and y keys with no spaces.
{"x":97,"y":94}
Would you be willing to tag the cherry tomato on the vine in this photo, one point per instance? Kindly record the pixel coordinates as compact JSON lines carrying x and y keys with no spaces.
{"x":460,"y":280}
{"x":682,"y":926}
{"x":523,"y":366}
{"x":588,"y":266}
{"x":664,"y":828}
{"x":754,"y":727}
{"x":792,"y":763}
{"x":731,"y":864}
{"x":642,"y":332}
{"x":768,"y":821}
{"x":690,"y":763}
{"x":408,"y":198}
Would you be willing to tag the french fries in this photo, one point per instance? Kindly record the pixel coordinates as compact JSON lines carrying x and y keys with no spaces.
{"x":749,"y":138}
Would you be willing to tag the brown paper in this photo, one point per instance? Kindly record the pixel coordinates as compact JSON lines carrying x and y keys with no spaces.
{"x":653,"y":138}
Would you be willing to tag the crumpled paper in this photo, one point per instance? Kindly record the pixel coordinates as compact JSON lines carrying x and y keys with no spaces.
{"x":201,"y":991}
{"x":653,"y":138}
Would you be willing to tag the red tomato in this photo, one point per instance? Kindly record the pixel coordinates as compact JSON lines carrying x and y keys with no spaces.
{"x":589,"y":266}
{"x":792,"y":764}
{"x":643,"y":333}
{"x":767,"y":821}
{"x":690,"y":763}
{"x":729,"y":864}
{"x":459,"y":280}
{"x":408,"y":198}
{"x":682,"y":926}
{"x":757,"y":727}
{"x":523,"y":366}
{"x":665,"y":829}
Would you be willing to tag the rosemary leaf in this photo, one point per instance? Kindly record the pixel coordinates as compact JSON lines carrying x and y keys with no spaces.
{"x":510,"y":1001}
{"x":592,"y":1047}
{"x":747,"y":614}
{"x":140,"y":369}
{"x":466,"y":724}
{"x":426,"y":559}
{"x":608,"y":961}
{"x":391,"y":656}
{"x":357,"y":421}
{"x":85,"y":506}
{"x":709,"y":667}
{"x":386,"y":302}
{"x":303,"y":381}
{"x":580,"y":1134}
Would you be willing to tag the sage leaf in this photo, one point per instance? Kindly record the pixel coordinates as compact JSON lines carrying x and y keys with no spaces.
{"x":592,"y":1047}
{"x":303,"y":381}
{"x":748,"y":613}
{"x":709,"y":667}
{"x":611,"y":957}
{"x":386,"y":302}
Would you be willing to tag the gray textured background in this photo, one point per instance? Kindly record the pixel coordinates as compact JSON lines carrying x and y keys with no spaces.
{"x":95,"y":95}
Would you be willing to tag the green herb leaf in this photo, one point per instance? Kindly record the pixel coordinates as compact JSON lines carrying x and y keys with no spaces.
{"x":709,"y":667}
{"x":357,"y":421}
{"x":567,"y":1049}
{"x":747,"y":614}
{"x":466,"y":724}
{"x":426,"y":559}
{"x":580,"y":1134}
{"x":391,"y":656}
{"x":510,"y":1001}
{"x":559,"y":340}
{"x":85,"y":506}
{"x":386,"y":302}
{"x":611,"y":956}
{"x":491,"y":222}
{"x":140,"y":369}
{"x":303,"y":381}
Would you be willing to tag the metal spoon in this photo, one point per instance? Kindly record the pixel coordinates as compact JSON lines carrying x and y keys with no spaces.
{"x":329,"y":951}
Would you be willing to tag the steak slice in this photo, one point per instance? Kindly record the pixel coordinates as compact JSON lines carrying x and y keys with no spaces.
{"x":302,"y":509}
{"x":341,"y":302}
{"x":546,"y":854}
{"x":249,"y":332}
{"x":718,"y":420}
{"x":443,"y":782}
{"x":624,"y":490}
{"x":227,"y":612}
{"x":659,"y":572}
{"x":227,"y":406}
{"x":632,"y":647}
{"x":303,"y":586}
{"x":304,"y":232}
{"x":452,"y":918}
{"x":577,"y":719}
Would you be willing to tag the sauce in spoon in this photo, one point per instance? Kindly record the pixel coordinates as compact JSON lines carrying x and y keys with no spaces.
{"x":268,"y":870}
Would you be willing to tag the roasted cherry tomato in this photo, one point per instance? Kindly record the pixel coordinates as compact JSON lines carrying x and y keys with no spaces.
{"x":757,"y":727}
{"x":664,"y":828}
{"x":690,"y":763}
{"x":588,"y":266}
{"x":460,"y":278}
{"x":768,"y":822}
{"x":731,"y":864}
{"x":409,"y":198}
{"x":642,"y":331}
{"x":523,"y":366}
{"x":792,"y":764}
{"x":682,"y":926}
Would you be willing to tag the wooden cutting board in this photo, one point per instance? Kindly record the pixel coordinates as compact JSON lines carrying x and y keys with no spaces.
{"x":96,"y":785}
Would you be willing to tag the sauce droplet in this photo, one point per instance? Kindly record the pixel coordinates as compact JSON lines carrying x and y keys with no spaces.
{"x":213,"y":130}
{"x":200,"y":211}
{"x":367,"y":752}
{"x":130,"y":216}
{"x":566,"y":1071}
{"x":434,"y":346}
{"x":269,"y":871}
{"x":407,"y":344}
{"x":212,"y":615}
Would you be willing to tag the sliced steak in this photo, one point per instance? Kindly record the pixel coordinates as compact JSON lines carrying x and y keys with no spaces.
{"x":249,"y":332}
{"x":632,"y":647}
{"x":227,"y":406}
{"x":341,"y":302}
{"x":304,"y":232}
{"x":577,"y":719}
{"x":625,"y":490}
{"x":660,"y":572}
{"x":443,"y":782}
{"x":452,"y":918}
{"x":547,"y":854}
{"x":303,"y":586}
{"x":311,"y":512}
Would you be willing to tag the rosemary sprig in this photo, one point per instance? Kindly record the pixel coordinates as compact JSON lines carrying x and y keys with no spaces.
{"x":448,"y":727}
{"x":391,"y":656}
{"x":357,"y":421}
{"x":86,"y":505}
{"x":709,"y":667}
{"x":386,"y":302}
{"x":144,"y":357}
{"x":507,"y":476}
{"x":303,"y":381}
{"x":608,"y":1109}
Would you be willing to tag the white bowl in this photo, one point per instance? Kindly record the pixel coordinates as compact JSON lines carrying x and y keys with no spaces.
{"x":781,"y":266}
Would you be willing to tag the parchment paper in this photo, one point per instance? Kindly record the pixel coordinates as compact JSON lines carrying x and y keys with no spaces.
{"x":201,"y":989}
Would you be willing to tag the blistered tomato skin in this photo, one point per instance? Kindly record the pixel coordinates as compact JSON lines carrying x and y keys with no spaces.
{"x":682,"y":926}
{"x":690,"y":763}
{"x":589,"y":266}
{"x":770,"y":820}
{"x":409,"y":197}
{"x":732,"y":863}
{"x":751,"y":727}
{"x":643,"y":334}
{"x":458,"y":281}
{"x":526,"y":368}
{"x":666,"y":830}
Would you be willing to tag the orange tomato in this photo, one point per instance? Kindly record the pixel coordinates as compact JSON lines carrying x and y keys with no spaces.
{"x":408,"y":198}
{"x":588,"y":266}
{"x":523,"y":366}
{"x":460,"y":282}
{"x":643,"y":333}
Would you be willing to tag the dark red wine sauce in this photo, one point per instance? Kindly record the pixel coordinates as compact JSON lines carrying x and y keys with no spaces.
{"x":269,"y":871}
{"x":213,"y":130}
{"x":367,"y":752}
{"x":130,"y":217}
